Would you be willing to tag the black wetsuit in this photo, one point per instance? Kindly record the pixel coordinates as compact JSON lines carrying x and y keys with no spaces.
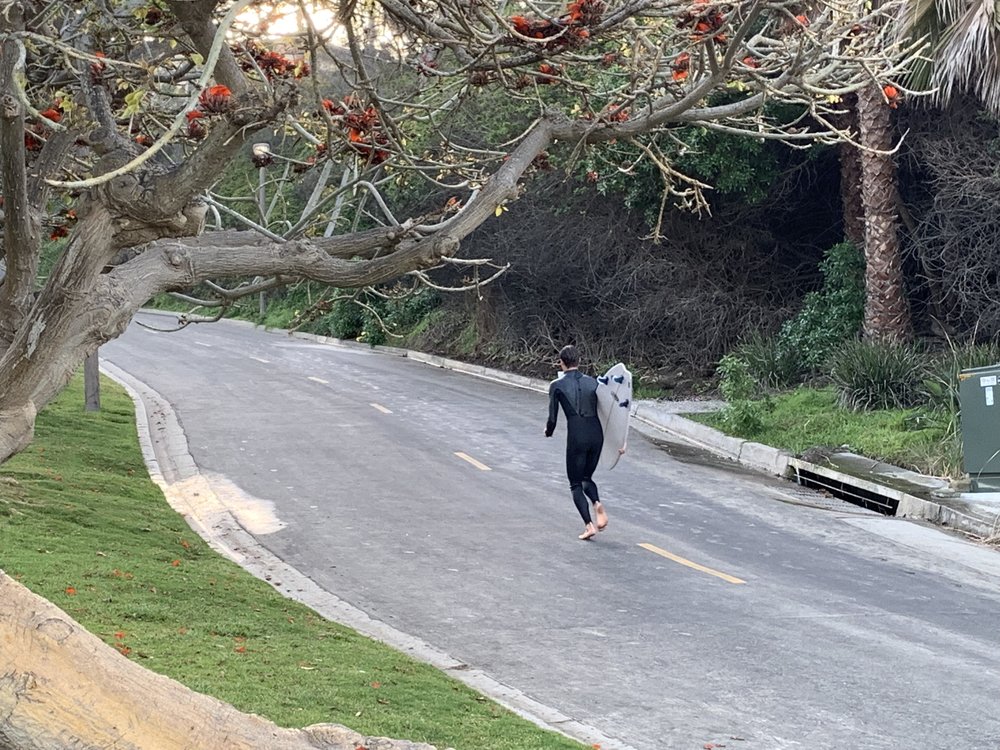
{"x":578,"y":395}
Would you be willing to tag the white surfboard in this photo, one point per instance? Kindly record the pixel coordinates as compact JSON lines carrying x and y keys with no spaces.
{"x":614,"y":406}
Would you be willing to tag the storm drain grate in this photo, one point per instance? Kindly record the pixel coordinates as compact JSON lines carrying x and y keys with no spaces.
{"x":852,"y":494}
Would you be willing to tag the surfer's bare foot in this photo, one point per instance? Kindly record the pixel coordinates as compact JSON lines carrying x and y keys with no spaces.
{"x":602,"y":517}
{"x":589,"y":532}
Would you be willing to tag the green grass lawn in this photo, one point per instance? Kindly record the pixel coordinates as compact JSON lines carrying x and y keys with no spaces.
{"x":82,"y":525}
{"x":811,"y":417}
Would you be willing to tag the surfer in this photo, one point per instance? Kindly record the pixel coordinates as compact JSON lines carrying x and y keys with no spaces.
{"x":577,"y":393}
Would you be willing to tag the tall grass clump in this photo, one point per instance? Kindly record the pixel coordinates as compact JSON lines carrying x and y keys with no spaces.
{"x":878,"y":375}
{"x":770,"y":364}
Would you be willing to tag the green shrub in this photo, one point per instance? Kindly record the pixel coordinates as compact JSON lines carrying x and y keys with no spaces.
{"x":830,"y":316}
{"x":877,"y":375}
{"x":375,"y":319}
{"x":768,"y":363}
{"x":373,"y":331}
{"x":745,"y":409}
{"x":405,"y":313}
{"x":345,"y":320}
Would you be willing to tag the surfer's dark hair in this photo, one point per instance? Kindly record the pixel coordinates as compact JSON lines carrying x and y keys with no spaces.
{"x":569,"y":356}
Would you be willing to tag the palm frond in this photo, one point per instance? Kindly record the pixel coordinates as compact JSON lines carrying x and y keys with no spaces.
{"x":967,"y":59}
{"x":919,"y":18}
{"x":965,"y":44}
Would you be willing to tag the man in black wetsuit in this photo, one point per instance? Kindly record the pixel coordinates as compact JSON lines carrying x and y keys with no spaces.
{"x":577,"y":393}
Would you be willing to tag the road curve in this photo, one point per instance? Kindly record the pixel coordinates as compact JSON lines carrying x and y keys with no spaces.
{"x":708,"y":612}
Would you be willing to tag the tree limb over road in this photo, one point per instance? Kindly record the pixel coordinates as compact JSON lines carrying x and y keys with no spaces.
{"x":116,"y":120}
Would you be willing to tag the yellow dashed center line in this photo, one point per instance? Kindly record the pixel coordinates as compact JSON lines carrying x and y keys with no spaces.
{"x":478,"y":464}
{"x":381,"y":408}
{"x":684,"y":561}
{"x":318,"y":380}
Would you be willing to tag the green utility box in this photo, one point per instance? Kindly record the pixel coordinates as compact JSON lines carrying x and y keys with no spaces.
{"x":979,"y":397}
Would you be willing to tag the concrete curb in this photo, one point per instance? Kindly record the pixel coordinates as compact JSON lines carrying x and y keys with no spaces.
{"x":746,"y":453}
{"x":165,"y":450}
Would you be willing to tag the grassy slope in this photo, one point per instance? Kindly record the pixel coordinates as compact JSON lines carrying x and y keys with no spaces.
{"x":808,"y":417}
{"x":82,"y":525}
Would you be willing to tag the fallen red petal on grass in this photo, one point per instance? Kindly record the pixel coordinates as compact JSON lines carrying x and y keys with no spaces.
{"x":376,"y":685}
{"x":176,"y":563}
{"x":70,"y":591}
{"x":120,"y":635}
{"x":240,"y":649}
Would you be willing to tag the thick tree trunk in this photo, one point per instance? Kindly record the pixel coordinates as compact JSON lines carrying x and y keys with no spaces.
{"x":850,"y":195}
{"x":850,"y":178}
{"x":887,"y":314}
{"x":61,"y":687}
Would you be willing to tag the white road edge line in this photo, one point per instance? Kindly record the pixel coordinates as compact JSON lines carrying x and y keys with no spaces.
{"x":225,"y":535}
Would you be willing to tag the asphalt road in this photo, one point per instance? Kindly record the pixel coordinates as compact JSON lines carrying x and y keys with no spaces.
{"x":432,"y":501}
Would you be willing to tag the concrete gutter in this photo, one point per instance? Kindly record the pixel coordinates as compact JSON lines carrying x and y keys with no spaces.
{"x":934,"y":502}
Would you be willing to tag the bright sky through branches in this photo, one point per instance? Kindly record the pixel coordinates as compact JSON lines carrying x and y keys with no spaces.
{"x":287,"y":19}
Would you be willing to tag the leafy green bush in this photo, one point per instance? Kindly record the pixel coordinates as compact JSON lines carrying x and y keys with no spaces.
{"x":768,"y":363}
{"x":731,"y":164}
{"x":375,"y":319}
{"x":876,"y":375}
{"x":403,"y":314}
{"x":831,"y":315}
{"x":745,"y":410}
{"x":345,"y":320}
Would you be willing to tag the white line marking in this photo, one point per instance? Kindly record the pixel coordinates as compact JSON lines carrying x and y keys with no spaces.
{"x":319,"y":380}
{"x":202,"y":343}
{"x":381,"y":408}
{"x":265,"y":361}
{"x":478,"y":464}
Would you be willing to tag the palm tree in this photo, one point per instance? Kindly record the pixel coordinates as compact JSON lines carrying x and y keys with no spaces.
{"x":887,"y":313}
{"x":965,"y":49}
{"x":963,"y":58}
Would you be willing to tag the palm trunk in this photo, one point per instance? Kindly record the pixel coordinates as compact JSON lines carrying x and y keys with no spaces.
{"x":850,"y":178}
{"x":887,"y":314}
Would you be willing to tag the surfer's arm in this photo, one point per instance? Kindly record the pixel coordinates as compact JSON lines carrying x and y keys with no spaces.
{"x":550,"y":426}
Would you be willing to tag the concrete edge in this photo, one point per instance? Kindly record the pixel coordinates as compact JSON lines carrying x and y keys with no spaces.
{"x":221,"y":530}
{"x":755,"y":456}
{"x":909,"y":506}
